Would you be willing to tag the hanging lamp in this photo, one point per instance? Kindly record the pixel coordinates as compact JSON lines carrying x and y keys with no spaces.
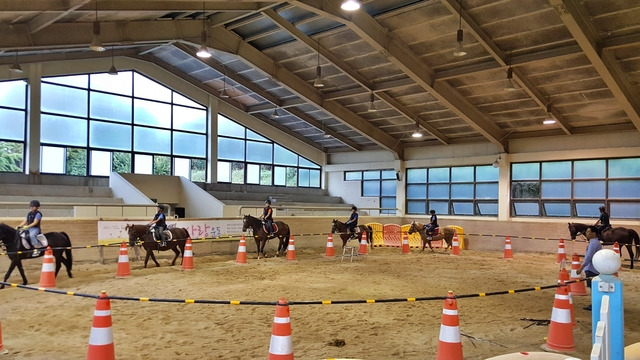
{"x":459,"y":51}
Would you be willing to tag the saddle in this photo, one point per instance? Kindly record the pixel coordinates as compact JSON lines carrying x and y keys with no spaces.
{"x":42,"y":240}
{"x":273,"y":226}
{"x":167,"y":234}
{"x":435,"y":232}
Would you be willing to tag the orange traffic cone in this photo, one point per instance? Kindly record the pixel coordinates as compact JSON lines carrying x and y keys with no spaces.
{"x":363,"y":244}
{"x":2,"y":349}
{"x":47,"y":275}
{"x":455,"y":245}
{"x":563,"y":277}
{"x":561,"y":254}
{"x":577,"y":288}
{"x":405,"y":244}
{"x":616,"y":249}
{"x":281,"y":347}
{"x":508,"y":254}
{"x":330,"y":250}
{"x":101,"y":338}
{"x":123,"y":263}
{"x":291,"y":249}
{"x":241,"y":258}
{"x":187,"y":257}
{"x":449,"y":345}
{"x":560,"y":329}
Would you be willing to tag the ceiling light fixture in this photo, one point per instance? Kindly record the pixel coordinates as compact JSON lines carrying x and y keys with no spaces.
{"x":459,"y":51}
{"x":417,"y":133}
{"x":203,"y":51}
{"x":274,"y":114}
{"x":112,"y":69}
{"x":371,"y":107}
{"x":318,"y":82}
{"x":496,"y":164}
{"x":550,"y":119}
{"x":96,"y":43}
{"x":511,"y":86}
{"x":15,"y":67}
{"x":223,"y":92}
{"x":350,"y":5}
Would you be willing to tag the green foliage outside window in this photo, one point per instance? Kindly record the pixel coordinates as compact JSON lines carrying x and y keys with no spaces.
{"x":161,"y":165}
{"x":76,"y":164}
{"x":198,"y":170}
{"x":11,"y":157}
{"x":121,"y":162}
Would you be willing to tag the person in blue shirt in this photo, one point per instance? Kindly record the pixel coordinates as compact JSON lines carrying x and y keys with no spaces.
{"x":352,"y":223}
{"x":433,"y":224}
{"x":159,"y":223}
{"x":267,"y":216}
{"x":32,"y":223}
{"x":587,"y":264}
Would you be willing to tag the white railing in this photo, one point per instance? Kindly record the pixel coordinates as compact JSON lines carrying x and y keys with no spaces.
{"x":601,"y":346}
{"x":286,"y":210}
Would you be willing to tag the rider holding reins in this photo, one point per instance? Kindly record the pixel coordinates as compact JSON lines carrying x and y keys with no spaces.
{"x":267,"y":216}
{"x":603,"y":222}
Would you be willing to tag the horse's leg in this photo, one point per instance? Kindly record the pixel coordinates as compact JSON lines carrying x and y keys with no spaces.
{"x":177,"y":252}
{"x":58,"y":255}
{"x":6,"y":276}
{"x":153,"y":257}
{"x":21,"y":270}
{"x":146,"y":258}
{"x":258,"y":247}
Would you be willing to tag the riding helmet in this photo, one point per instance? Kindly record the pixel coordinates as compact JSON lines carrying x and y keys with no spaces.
{"x":354,"y":208}
{"x":432,"y":211}
{"x":602,"y":208}
{"x":34,"y":203}
{"x":161,"y":207}
{"x":267,"y":201}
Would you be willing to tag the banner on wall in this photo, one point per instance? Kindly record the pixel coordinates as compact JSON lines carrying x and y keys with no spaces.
{"x":113,"y":232}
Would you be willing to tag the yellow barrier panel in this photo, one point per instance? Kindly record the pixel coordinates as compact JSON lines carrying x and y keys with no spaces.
{"x":460,"y":232}
{"x":415,"y":241}
{"x":378,"y":235}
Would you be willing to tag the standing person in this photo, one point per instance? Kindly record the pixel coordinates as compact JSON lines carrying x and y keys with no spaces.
{"x":352,"y":223}
{"x":267,"y":216}
{"x":587,"y":264}
{"x":159,"y":223}
{"x":31,"y":224}
{"x":433,"y":223}
{"x":603,"y":222}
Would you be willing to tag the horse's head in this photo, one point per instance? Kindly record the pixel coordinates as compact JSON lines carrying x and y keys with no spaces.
{"x":135,"y":232}
{"x":573,"y":231}
{"x":245,"y":223}
{"x":413,"y":228}
{"x":334,"y":226}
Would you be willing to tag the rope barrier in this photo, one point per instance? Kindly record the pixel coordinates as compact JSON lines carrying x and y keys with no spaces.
{"x":273,"y":303}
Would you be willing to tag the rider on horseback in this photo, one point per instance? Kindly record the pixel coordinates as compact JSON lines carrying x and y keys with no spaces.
{"x":603,"y":222}
{"x":433,"y":224}
{"x":267,"y":216}
{"x":352,"y":223}
{"x":159,"y":223}
{"x":31,"y":224}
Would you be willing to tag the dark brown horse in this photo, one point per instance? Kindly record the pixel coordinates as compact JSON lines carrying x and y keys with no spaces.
{"x":446,"y":234}
{"x":623,"y":236}
{"x":341,"y":228}
{"x":176,"y":242}
{"x":58,"y":241}
{"x":281,"y":231}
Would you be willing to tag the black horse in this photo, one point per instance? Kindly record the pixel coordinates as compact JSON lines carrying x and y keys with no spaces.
{"x":281,"y":231}
{"x":339,"y":227}
{"x":58,"y":241}
{"x":623,"y":236}
{"x":143,"y":233}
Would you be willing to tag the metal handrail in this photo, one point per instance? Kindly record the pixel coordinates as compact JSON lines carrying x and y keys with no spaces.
{"x":332,"y":209}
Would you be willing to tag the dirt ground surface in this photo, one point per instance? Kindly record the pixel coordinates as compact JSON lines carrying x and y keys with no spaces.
{"x":42,"y":325}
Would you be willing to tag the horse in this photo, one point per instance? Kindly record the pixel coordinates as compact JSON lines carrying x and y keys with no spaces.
{"x":339,"y":227}
{"x":446,"y":235}
{"x":177,"y":241}
{"x":260,"y":234}
{"x":59,"y":242}
{"x":621,"y":235}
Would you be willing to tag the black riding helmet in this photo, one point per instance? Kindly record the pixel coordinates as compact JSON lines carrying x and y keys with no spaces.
{"x":34,"y":203}
{"x":354,"y":208}
{"x":432,"y":211}
{"x":267,"y":201}
{"x":161,"y":207}
{"x":602,"y":208}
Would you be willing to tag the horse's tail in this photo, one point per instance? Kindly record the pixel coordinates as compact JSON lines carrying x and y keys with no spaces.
{"x":635,"y":240}
{"x":67,"y":250}
{"x":186,"y":232}
{"x":370,"y":235}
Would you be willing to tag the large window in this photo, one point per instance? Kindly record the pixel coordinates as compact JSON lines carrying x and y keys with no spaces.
{"x":462,"y":190}
{"x":123,"y":123}
{"x":13,"y":120}
{"x":245,"y":157}
{"x":576,"y":188}
{"x":377,"y":183}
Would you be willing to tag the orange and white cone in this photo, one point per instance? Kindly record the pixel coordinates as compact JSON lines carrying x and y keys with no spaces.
{"x":508,"y":254}
{"x":291,"y":249}
{"x":561,"y":253}
{"x":187,"y":257}
{"x":48,"y":275}
{"x":563,"y":277}
{"x":616,"y":249}
{"x":2,"y":349}
{"x":455,"y":244}
{"x":124,"y":271}
{"x":405,"y":244}
{"x":330,"y":250}
{"x":101,"y":338}
{"x":241,"y":258}
{"x":449,"y":345}
{"x":281,"y":347}
{"x":560,"y":336}
{"x":363,"y":244}
{"x":577,"y":288}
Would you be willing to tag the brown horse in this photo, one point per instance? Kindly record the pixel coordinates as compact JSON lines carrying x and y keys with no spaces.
{"x":623,"y":236}
{"x":176,"y":242}
{"x":281,"y":231}
{"x":341,"y":228}
{"x":446,"y":235}
{"x":58,"y":241}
